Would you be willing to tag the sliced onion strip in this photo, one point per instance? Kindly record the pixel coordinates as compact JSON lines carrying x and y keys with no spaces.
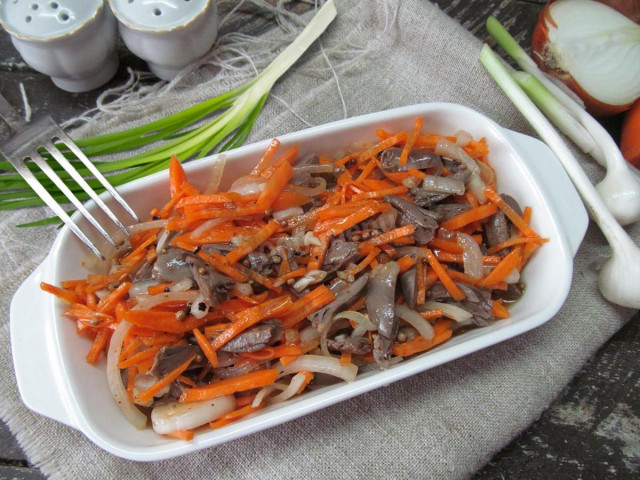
{"x":471,"y":255}
{"x":150,"y":301}
{"x":144,"y":226}
{"x":175,"y":416}
{"x":363,"y":324}
{"x":413,"y":318}
{"x":320,"y":364}
{"x":114,"y":378}
{"x":437,"y":184}
{"x":292,"y":389}
{"x":448,"y":310}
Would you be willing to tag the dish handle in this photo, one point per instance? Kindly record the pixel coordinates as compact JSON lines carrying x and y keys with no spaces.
{"x":556,"y":185}
{"x":34,"y":364}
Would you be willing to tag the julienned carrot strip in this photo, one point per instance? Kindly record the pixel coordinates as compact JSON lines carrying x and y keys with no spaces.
{"x":405,"y":263}
{"x":366,"y":171}
{"x":162,"y":321}
{"x":515,"y":241}
{"x":282,"y":279}
{"x":471,"y":198}
{"x":187,"y":381}
{"x":307,"y":304}
{"x":416,"y":173}
{"x":156,"y":289}
{"x":61,"y":293}
{"x":431,"y":314}
{"x":344,"y":160}
{"x":99,"y":344}
{"x":376,"y":184}
{"x":209,"y":198}
{"x":411,"y":138}
{"x":131,"y":376}
{"x":499,"y":310}
{"x":275,"y":185}
{"x":419,"y":344}
{"x":446,"y":280}
{"x":357,"y":217}
{"x":421,"y":283}
{"x":243,"y":400}
{"x":177,"y":177}
{"x":397,"y":190}
{"x":428,"y":139}
{"x":319,"y":251}
{"x":269,"y":353}
{"x":457,"y":258}
{"x":527,"y":251}
{"x":206,"y":347}
{"x":446,"y":245}
{"x":257,"y":277}
{"x":341,"y":211}
{"x":186,"y":435}
{"x":131,"y":259}
{"x":249,"y":317}
{"x":266,"y":157}
{"x":229,"y":386}
{"x":130,"y":345}
{"x":149,"y":393}
{"x":388,"y":237}
{"x":289,"y":157}
{"x":365,"y":262}
{"x":442,"y":324}
{"x":468,"y":279}
{"x":478,"y":213}
{"x":526,"y":214}
{"x":252,"y":242}
{"x":504,"y":268}
{"x":345,"y":358}
{"x":138,"y":357}
{"x":250,"y":300}
{"x":290,"y":199}
{"x":381,"y":146}
{"x":108,"y":303}
{"x":217,"y":261}
{"x":234,"y":415}
{"x":516,"y":219}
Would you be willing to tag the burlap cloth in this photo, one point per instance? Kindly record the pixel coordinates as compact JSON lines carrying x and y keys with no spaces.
{"x":444,"y":423}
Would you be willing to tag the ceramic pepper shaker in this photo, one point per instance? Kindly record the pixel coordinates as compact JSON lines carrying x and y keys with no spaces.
{"x":72,"y":41}
{"x":168,"y":34}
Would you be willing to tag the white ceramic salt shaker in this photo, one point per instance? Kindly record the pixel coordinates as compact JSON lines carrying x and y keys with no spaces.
{"x":72,"y":41}
{"x":168,"y":34}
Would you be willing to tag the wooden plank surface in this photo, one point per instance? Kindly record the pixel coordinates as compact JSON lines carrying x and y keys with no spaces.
{"x":584,"y":434}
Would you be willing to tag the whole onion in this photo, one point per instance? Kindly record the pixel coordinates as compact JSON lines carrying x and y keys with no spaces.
{"x":593,"y":49}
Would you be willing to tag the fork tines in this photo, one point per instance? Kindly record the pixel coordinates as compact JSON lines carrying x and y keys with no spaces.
{"x":27,"y":145}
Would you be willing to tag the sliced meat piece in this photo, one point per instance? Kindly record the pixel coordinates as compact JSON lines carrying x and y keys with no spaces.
{"x":354,"y":345}
{"x":380,"y":303}
{"x":255,"y":338}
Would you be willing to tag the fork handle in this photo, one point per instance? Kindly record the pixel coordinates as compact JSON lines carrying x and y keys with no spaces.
{"x":10,"y":115}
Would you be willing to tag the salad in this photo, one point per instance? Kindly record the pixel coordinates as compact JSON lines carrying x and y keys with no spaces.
{"x":307,"y":271}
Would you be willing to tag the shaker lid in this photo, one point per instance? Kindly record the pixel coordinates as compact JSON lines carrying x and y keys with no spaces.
{"x":46,"y":19}
{"x":158,"y":15}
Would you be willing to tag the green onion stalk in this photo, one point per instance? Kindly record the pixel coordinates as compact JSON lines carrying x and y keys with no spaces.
{"x":237,"y":112}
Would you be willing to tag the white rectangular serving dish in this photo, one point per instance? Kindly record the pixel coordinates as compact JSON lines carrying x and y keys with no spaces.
{"x":49,"y":355}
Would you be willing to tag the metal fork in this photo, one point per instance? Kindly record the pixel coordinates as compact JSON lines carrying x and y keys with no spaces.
{"x":44,"y":133}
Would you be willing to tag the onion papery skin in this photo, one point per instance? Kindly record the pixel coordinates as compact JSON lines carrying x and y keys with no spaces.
{"x":553,"y":62}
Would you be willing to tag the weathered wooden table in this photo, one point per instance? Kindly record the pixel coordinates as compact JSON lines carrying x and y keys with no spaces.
{"x":590,"y":432}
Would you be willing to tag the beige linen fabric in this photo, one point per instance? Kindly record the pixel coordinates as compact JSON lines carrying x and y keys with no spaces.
{"x":444,"y":423}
